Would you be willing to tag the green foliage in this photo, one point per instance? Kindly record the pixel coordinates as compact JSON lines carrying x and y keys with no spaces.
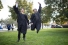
{"x":47,"y":14}
{"x":1,"y":6}
{"x":8,"y":21}
{"x":59,"y":6}
{"x":13,"y":14}
{"x":27,"y":6}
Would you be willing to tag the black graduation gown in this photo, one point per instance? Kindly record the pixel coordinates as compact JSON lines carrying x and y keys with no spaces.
{"x":36,"y":19}
{"x":22,"y":20}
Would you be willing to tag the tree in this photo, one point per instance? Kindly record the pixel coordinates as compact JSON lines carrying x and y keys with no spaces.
{"x":63,"y":11}
{"x":46,"y":14}
{"x":47,"y":11}
{"x":1,"y":5}
{"x":8,"y":21}
{"x":13,"y":14}
{"x":58,"y":6}
{"x":27,"y":6}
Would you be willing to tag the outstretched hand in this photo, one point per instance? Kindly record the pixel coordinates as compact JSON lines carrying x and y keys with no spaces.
{"x":39,"y":3}
{"x":16,"y":2}
{"x":31,"y":23}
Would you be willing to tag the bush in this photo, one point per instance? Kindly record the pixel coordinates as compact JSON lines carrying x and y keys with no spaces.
{"x":65,"y":26}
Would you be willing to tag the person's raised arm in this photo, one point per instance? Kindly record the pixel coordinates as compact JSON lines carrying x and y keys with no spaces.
{"x":39,"y":10}
{"x":15,"y":7}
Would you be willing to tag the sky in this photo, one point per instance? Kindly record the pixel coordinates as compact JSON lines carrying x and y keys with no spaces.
{"x":5,"y":11}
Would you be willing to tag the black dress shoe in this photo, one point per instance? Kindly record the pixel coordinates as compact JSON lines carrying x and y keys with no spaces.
{"x":37,"y":31}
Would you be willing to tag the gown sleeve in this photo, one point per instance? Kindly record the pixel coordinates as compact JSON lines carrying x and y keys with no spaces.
{"x":16,"y":9}
{"x":39,"y":10}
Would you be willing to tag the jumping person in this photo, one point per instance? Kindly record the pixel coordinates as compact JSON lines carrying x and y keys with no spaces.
{"x":36,"y":19}
{"x":22,"y":21}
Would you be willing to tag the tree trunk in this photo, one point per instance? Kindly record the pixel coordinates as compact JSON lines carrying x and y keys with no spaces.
{"x":42,"y":25}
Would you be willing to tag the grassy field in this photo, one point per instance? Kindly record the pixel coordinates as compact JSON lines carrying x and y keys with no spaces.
{"x":44,"y":37}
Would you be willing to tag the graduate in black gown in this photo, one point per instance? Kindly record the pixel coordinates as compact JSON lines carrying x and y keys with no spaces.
{"x":36,"y":19}
{"x":21,"y":20}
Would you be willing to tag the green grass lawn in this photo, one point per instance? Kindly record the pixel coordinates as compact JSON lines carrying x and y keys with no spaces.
{"x":44,"y":37}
